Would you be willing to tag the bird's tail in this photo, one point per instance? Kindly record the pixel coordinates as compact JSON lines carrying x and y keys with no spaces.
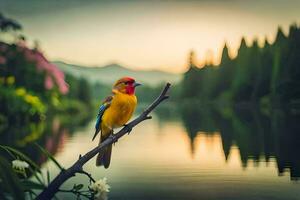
{"x":104,"y":157}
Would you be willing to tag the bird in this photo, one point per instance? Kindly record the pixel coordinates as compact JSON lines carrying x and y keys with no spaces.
{"x":114,"y":112}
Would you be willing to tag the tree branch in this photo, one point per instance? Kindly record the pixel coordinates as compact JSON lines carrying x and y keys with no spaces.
{"x":53,"y":187}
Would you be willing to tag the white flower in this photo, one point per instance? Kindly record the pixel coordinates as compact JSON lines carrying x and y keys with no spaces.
{"x":100,"y":188}
{"x":19,"y":165}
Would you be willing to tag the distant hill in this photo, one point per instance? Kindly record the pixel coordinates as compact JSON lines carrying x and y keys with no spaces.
{"x":110,"y":73}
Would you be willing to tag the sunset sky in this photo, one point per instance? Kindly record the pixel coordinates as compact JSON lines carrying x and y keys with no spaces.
{"x":146,"y":34}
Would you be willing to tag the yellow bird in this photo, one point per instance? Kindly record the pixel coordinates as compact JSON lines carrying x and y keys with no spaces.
{"x":114,"y":112}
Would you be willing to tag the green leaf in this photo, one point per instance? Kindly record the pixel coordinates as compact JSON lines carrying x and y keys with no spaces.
{"x":78,"y":187}
{"x":9,"y":153}
{"x":46,"y":153}
{"x":36,"y":175}
{"x":48,"y":176}
{"x":22,"y":156}
{"x":29,"y":185}
{"x":10,"y":182}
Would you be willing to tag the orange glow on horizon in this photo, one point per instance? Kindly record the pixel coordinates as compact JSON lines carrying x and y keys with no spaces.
{"x":153,"y":36}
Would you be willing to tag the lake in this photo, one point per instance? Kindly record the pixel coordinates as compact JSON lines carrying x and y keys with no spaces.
{"x":194,"y":155}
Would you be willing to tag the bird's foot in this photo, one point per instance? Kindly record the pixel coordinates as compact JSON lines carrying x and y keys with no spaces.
{"x":128,"y":127}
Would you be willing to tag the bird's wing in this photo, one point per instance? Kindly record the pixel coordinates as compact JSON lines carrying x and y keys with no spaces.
{"x":106,"y":103}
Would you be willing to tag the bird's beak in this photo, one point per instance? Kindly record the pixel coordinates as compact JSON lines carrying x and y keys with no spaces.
{"x":136,"y":84}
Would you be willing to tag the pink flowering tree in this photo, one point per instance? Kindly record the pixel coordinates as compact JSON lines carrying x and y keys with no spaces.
{"x":31,"y":69}
{"x":53,"y":75}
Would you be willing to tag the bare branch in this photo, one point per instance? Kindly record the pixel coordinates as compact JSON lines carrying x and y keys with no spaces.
{"x":64,"y":175}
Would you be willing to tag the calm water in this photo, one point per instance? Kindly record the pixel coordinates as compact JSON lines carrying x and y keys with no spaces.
{"x":180,"y":158}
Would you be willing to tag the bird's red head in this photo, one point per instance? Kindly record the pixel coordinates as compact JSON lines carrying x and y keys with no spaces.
{"x":126,"y":85}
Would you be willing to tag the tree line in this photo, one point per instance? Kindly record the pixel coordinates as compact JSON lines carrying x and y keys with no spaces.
{"x":266,"y":75}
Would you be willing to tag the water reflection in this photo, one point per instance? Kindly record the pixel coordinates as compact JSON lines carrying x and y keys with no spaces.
{"x":186,"y":154}
{"x":52,"y":134}
{"x":193,"y":154}
{"x":258,"y":137}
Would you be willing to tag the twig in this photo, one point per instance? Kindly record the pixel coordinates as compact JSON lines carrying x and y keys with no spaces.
{"x":64,"y":175}
{"x":88,"y":175}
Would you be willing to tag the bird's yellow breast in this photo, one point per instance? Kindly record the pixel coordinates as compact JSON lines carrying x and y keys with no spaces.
{"x":120,"y":110}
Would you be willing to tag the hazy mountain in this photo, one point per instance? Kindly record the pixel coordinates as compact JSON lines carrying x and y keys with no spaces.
{"x":109,"y":73}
